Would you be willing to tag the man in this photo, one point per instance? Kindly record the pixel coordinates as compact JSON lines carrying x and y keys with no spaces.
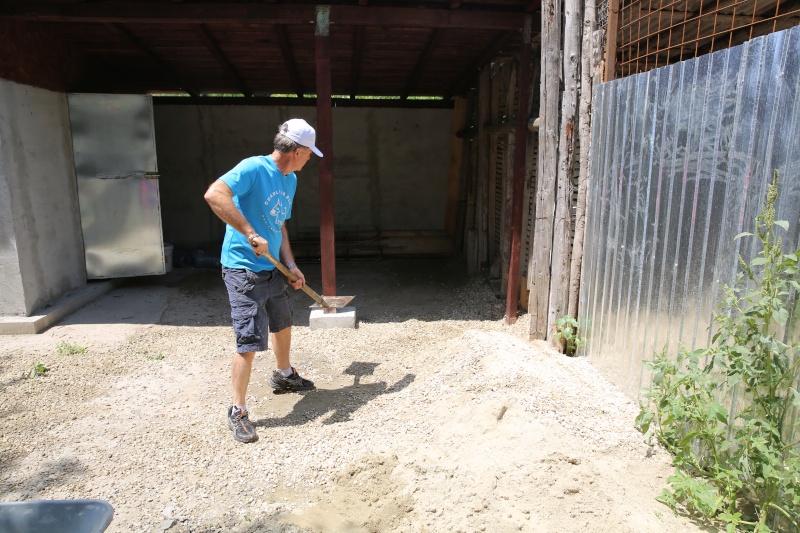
{"x":255,"y":199}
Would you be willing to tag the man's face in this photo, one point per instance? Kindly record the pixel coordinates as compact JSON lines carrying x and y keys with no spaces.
{"x":301,"y":157}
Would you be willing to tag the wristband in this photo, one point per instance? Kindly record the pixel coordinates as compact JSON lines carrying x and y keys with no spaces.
{"x":291,"y":266}
{"x":252,"y":238}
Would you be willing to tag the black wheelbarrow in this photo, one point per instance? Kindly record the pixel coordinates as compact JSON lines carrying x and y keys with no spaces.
{"x":64,"y":516}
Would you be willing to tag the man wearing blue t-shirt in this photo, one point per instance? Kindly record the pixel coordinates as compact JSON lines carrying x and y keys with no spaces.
{"x":254,"y":199}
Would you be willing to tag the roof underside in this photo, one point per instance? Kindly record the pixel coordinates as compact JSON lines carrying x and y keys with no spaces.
{"x":427,"y":48}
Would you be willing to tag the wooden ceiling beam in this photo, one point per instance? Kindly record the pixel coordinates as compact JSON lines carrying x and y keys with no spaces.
{"x":216,"y":51}
{"x":288,"y":58}
{"x":241,"y":12}
{"x":402,"y":17}
{"x":166,"y":71}
{"x":472,"y":71}
{"x":422,"y":62}
{"x":355,"y":67}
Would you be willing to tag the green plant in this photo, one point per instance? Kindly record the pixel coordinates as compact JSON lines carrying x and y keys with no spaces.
{"x":65,"y":348}
{"x":741,"y":469}
{"x":567,"y":331}
{"x":36,"y":370}
{"x":156,"y":357}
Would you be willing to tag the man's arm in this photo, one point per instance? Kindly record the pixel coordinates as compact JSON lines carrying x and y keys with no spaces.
{"x":287,"y":258}
{"x":220,"y":197}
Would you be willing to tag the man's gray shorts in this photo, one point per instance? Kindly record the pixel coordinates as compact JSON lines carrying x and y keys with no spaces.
{"x":259,"y":304}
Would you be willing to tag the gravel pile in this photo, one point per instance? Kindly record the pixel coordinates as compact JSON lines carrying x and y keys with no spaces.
{"x":431,"y":423}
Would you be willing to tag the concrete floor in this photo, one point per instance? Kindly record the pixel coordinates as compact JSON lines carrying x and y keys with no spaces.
{"x":386,"y":290}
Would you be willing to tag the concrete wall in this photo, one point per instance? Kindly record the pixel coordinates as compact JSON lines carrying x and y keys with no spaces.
{"x":41,"y":248}
{"x":390,"y":166}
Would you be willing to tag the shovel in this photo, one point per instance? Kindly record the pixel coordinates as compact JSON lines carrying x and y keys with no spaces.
{"x":327,"y":302}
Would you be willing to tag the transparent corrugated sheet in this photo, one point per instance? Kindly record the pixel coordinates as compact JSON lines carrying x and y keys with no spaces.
{"x":680,"y":163}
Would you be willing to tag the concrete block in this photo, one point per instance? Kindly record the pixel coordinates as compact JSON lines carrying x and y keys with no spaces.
{"x":52,"y":313}
{"x":342,"y":318}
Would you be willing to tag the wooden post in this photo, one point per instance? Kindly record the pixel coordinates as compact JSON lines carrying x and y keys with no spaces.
{"x":520,"y":150}
{"x":539,"y":269}
{"x":454,"y":171}
{"x":611,"y":40}
{"x":325,"y":144}
{"x":494,"y":104}
{"x":508,"y":183}
{"x":560,"y":262}
{"x":484,"y":99}
{"x":585,"y":136}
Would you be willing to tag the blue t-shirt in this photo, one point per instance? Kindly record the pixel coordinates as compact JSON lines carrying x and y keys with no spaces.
{"x":264,"y":196}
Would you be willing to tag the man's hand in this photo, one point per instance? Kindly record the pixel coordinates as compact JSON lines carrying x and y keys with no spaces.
{"x":301,"y":279}
{"x":259,"y":244}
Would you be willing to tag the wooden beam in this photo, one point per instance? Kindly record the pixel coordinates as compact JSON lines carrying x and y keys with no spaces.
{"x":252,"y":12}
{"x":454,"y":169}
{"x":303,"y":102}
{"x":213,"y":47}
{"x":500,"y":40}
{"x":324,"y":142}
{"x":547,"y":169}
{"x":165,"y":70}
{"x":355,"y":66}
{"x":288,"y":58}
{"x":401,"y":17}
{"x":611,"y":40}
{"x":484,"y":110}
{"x":562,"y":225}
{"x":507,"y":197}
{"x":422,"y":62}
{"x":533,"y":6}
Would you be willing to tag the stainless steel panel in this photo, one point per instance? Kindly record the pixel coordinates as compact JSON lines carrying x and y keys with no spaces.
{"x":115,"y":162}
{"x":680,"y":163}
{"x":112,"y":134}
{"x":123,"y":225}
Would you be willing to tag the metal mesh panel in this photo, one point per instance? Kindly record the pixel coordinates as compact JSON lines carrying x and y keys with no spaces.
{"x":655,"y":33}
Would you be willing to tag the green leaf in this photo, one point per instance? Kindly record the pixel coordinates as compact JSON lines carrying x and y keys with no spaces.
{"x":743,"y":234}
{"x":716,"y":411}
{"x":783,"y":223}
{"x":758,"y":261}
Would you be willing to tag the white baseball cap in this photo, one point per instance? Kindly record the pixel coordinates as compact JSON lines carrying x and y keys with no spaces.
{"x":302,"y":133}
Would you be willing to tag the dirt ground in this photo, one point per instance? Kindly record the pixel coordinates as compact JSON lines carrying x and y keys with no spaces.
{"x":431,"y":416}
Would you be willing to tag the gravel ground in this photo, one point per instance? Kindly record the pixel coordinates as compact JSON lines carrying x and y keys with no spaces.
{"x":432,"y":415}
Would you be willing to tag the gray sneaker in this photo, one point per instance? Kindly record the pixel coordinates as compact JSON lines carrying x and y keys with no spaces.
{"x":239,"y":423}
{"x":292,"y":383}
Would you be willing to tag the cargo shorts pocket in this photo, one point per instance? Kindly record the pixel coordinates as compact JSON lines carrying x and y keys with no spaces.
{"x":238,"y":280}
{"x":244,"y":316}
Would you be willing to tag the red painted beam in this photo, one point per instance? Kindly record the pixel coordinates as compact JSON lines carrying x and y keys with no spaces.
{"x":520,"y":148}
{"x":325,"y":144}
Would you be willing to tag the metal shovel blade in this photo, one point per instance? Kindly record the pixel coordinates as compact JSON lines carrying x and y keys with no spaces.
{"x":333,"y":302}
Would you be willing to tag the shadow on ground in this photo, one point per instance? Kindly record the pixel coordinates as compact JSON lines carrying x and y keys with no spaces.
{"x":337,"y":405}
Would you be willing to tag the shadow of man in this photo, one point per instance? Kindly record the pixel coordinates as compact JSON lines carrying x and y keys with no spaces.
{"x":340,"y":403}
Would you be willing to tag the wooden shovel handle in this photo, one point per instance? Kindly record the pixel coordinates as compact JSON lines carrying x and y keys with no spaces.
{"x":286,"y":272}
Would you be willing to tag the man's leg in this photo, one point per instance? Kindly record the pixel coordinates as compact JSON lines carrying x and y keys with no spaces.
{"x":281,"y":345}
{"x":289,"y":380}
{"x":240,"y":376}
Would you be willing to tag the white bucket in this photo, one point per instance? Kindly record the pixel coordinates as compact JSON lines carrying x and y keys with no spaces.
{"x":167,"y":257}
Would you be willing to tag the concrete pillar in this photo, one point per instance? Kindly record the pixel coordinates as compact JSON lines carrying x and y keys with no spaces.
{"x":41,"y":247}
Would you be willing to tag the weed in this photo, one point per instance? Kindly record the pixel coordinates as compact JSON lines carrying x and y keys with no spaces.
{"x":65,"y":348}
{"x":567,"y":330}
{"x":741,"y":469}
{"x":36,"y":370}
{"x":156,"y":357}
